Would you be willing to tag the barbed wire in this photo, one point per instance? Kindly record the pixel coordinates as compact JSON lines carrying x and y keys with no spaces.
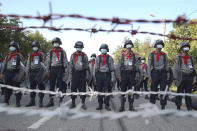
{"x":94,"y":30}
{"x":115,"y":20}
{"x":148,"y":110}
{"x":93,"y":94}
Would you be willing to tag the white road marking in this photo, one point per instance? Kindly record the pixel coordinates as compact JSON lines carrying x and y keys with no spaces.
{"x":45,"y":119}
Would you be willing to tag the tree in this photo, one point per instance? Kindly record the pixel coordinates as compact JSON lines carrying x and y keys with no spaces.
{"x":24,"y":38}
{"x":35,"y":36}
{"x":183,"y":30}
{"x":141,"y":49}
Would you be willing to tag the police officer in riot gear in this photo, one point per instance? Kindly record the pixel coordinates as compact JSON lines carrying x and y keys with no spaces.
{"x":34,"y":66}
{"x":78,"y":73}
{"x":103,"y":71}
{"x":13,"y":63}
{"x":127,"y":73}
{"x":56,"y":65}
{"x":184,"y":75}
{"x":158,"y":67}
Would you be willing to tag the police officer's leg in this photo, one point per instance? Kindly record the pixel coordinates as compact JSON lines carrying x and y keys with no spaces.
{"x":163,"y":84}
{"x":99,"y":85}
{"x":52,"y":86}
{"x":82,"y":88}
{"x":8,"y":92}
{"x":154,"y":87}
{"x":123,"y":89}
{"x":145,"y":83}
{"x":188,"y":89}
{"x":180,"y":89}
{"x":32,"y":86}
{"x":131,"y":86}
{"x":141,"y":86}
{"x":107,"y":88}
{"x":60,"y":83}
{"x":41,"y":86}
{"x":2,"y":88}
{"x":74,"y":84}
{"x":18,"y":95}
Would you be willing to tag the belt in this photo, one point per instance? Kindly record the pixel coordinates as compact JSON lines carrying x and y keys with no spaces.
{"x":35,"y":70}
{"x":56,"y":67}
{"x":128,"y":71}
{"x":103,"y":73}
{"x":159,"y":71}
{"x":187,"y":74}
{"x":12,"y":71}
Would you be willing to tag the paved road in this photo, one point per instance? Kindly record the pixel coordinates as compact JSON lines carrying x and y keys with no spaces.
{"x":159,"y":123}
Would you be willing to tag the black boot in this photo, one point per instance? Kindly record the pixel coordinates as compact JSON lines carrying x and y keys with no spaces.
{"x":107,"y":107}
{"x":163,"y":107}
{"x":122,"y":101}
{"x":178,"y":108}
{"x":41,"y":102}
{"x":131,"y":108}
{"x":31,"y":103}
{"x":6,"y":101}
{"x":51,"y":103}
{"x":18,"y":104}
{"x":189,"y":108}
{"x":60,"y":100}
{"x":73,"y":104}
{"x":84,"y":107}
{"x":100,"y":107}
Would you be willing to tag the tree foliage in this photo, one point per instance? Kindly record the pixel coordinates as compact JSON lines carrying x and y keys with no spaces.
{"x":183,"y":30}
{"x":141,"y":49}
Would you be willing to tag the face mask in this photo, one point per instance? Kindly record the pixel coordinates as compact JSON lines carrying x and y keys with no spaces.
{"x":35,"y":48}
{"x":129,"y":46}
{"x":104,"y":51}
{"x":143,"y":61}
{"x":159,"y":46}
{"x":186,"y":49}
{"x":79,"y":49}
{"x":56,"y":44}
{"x":12,"y":48}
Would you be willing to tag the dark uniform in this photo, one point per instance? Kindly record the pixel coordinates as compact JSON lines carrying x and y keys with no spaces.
{"x":184,"y":74}
{"x":91,"y":69}
{"x":12,"y":72}
{"x":143,"y":74}
{"x":1,"y":68}
{"x":127,"y":73}
{"x":35,"y":68}
{"x":103,"y":71}
{"x":78,"y":73}
{"x":158,"y":67}
{"x":56,"y":65}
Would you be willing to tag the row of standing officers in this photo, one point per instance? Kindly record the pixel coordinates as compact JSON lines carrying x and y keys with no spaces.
{"x":100,"y":72}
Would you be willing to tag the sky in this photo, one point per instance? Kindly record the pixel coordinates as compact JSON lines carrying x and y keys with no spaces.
{"x":131,"y":9}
